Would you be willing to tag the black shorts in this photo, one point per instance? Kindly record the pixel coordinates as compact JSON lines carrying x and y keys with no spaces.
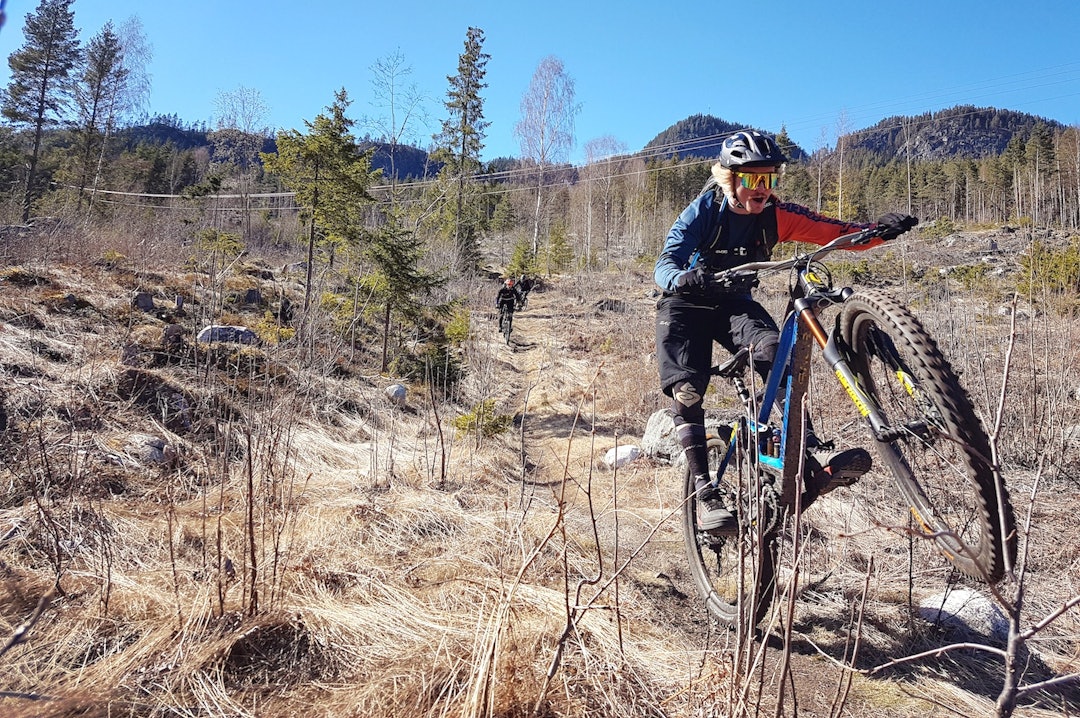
{"x":686,"y":329}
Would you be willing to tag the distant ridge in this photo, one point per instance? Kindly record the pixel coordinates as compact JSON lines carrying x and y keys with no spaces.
{"x":963,"y":131}
{"x":960,"y":131}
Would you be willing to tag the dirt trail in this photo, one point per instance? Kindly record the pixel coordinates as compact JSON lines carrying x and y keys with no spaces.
{"x":547,"y":384}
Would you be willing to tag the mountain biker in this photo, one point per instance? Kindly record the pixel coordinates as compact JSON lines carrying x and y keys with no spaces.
{"x":734,"y":220}
{"x":509,"y":296}
{"x":525,"y":285}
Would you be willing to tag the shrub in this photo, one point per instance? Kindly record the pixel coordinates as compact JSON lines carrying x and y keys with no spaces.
{"x":972,"y":276}
{"x":941,"y":227}
{"x":271,"y":332}
{"x":1050,"y":271}
{"x":483,"y":420}
{"x":457,"y":329}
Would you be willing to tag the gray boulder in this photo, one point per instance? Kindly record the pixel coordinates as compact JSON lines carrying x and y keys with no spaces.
{"x":396,"y":394}
{"x":143,"y":301}
{"x":659,"y":440}
{"x":966,"y":612}
{"x":225,"y":333}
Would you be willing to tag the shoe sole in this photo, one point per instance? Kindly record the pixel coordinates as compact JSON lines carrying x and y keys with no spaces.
{"x":723,"y":524}
{"x":856,"y":465}
{"x":723,"y":528}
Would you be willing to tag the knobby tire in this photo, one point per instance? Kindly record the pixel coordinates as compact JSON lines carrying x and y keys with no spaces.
{"x":941,"y":458}
{"x":505,"y":323}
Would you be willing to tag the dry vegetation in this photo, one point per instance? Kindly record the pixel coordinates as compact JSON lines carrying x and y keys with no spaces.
{"x":193,"y":530}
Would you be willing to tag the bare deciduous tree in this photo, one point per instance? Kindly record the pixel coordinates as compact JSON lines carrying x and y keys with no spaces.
{"x":239,"y":137}
{"x":605,"y":159}
{"x":402,"y":104}
{"x":546,"y":128}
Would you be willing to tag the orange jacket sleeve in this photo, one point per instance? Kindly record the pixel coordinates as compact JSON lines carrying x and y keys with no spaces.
{"x":795,"y":223}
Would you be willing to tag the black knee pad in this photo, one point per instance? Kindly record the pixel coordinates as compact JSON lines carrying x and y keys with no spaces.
{"x":687,"y":406}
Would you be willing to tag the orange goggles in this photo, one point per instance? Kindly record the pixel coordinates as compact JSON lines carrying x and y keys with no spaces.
{"x":751,"y":180}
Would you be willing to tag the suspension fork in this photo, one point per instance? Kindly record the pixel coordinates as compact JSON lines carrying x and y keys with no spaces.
{"x":836,"y":356}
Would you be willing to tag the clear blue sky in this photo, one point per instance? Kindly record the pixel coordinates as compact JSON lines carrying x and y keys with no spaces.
{"x":638,"y":66}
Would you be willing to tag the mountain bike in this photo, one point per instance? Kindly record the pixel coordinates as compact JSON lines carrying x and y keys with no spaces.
{"x":920,"y":420}
{"x":506,"y":320}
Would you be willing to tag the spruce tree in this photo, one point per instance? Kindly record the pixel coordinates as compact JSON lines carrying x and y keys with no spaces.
{"x":40,"y":88}
{"x":97,"y":93}
{"x":399,"y":283}
{"x":459,"y":146}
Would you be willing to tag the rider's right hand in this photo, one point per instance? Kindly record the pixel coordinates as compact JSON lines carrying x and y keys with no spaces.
{"x":692,"y":281}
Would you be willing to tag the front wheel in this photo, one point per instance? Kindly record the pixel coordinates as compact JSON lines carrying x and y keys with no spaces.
{"x":734,"y":574}
{"x":936,"y":448}
{"x":505,"y":323}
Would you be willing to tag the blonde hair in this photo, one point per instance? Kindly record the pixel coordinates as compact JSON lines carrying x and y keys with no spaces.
{"x":725,"y":179}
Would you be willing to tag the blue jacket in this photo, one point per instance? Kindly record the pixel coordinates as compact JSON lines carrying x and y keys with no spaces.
{"x":696,"y":229}
{"x":697,"y":223}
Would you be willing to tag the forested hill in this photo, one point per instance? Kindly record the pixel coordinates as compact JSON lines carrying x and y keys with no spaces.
{"x":961,"y":131}
{"x":700,"y":136}
{"x":167,"y":130}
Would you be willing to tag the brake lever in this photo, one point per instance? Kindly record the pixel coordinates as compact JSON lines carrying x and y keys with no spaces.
{"x":729,"y":276}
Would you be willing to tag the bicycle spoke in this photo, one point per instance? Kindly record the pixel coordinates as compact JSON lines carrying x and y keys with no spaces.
{"x":733,"y":573}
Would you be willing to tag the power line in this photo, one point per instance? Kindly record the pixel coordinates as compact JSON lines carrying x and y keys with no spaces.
{"x":993,"y":87}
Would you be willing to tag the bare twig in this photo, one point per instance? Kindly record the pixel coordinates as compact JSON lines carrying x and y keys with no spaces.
{"x":20,"y":633}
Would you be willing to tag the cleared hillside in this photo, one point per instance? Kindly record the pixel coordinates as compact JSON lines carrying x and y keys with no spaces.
{"x":256,"y":530}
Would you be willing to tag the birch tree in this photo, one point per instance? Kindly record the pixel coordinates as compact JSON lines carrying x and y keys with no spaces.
{"x":401,"y":104}
{"x":546,"y":128}
{"x":239,"y":137}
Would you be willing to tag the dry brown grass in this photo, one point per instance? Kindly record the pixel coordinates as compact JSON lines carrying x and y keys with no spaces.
{"x":299,"y":551}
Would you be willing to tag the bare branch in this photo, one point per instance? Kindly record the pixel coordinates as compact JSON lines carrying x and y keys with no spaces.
{"x":20,"y":634}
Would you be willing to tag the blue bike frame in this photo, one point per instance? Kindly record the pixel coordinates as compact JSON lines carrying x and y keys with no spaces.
{"x":780,"y":379}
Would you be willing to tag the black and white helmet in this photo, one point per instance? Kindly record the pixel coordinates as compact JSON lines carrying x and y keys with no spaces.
{"x":750,"y":148}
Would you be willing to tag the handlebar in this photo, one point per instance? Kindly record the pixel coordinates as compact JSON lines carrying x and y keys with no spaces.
{"x":753,"y":269}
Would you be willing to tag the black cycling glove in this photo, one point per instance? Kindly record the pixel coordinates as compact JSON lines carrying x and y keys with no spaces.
{"x":894,"y":224}
{"x":692,"y":281}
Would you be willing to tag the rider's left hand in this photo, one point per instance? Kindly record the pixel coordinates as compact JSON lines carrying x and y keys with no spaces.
{"x":894,"y":224}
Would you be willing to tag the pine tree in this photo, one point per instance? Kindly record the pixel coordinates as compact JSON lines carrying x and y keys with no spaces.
{"x":460,"y":143}
{"x":96,"y":94}
{"x":330,"y":174}
{"x":40,"y":88}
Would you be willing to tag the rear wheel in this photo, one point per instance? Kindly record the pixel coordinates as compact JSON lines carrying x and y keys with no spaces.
{"x":938,"y":450}
{"x":733,"y":574}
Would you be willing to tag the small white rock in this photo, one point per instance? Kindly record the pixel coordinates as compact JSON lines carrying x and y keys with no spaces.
{"x":968,"y":611}
{"x":617,"y":457}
